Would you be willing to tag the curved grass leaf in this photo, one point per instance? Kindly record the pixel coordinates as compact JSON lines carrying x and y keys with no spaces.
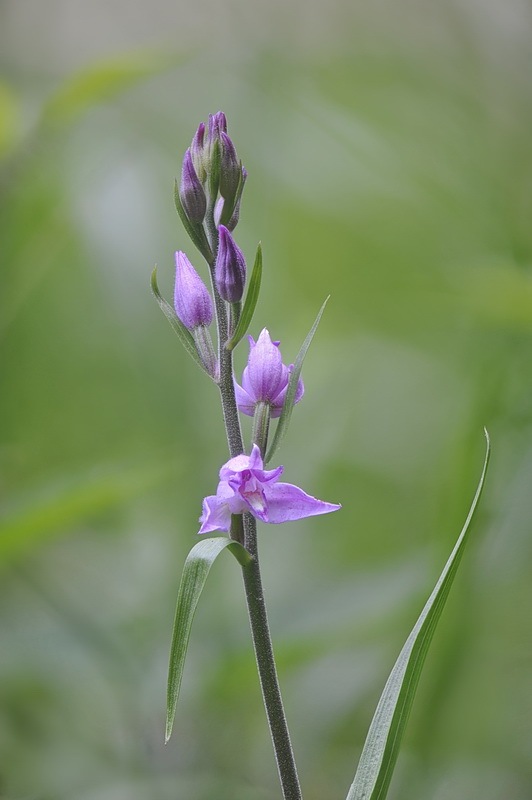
{"x":250,"y":303}
{"x":101,"y":82}
{"x":382,"y":744}
{"x":182,"y":331}
{"x":195,"y":571}
{"x":288,"y":405}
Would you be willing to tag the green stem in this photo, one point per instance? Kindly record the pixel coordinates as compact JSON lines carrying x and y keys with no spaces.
{"x":261,"y":426}
{"x":245,"y":529}
{"x":265,"y":658}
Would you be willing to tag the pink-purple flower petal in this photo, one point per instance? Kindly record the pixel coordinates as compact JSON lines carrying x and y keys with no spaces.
{"x":246,"y":486}
{"x":287,"y":503}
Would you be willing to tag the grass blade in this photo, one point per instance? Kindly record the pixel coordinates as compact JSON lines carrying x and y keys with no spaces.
{"x":382,"y":744}
{"x":195,"y":571}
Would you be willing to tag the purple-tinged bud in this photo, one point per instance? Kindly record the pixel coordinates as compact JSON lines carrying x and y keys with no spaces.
{"x":230,"y":169}
{"x":265,"y":378}
{"x":230,"y":267}
{"x":197,"y":151}
{"x":191,"y":191}
{"x":192,"y":301}
{"x":217,"y":126}
{"x":221,"y":203}
{"x":235,"y":216}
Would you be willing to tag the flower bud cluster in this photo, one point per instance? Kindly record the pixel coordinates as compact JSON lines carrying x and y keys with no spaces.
{"x":208,"y":200}
{"x":212,"y":173}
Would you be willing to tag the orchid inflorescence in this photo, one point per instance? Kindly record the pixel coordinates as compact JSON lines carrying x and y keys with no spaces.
{"x":208,"y":199}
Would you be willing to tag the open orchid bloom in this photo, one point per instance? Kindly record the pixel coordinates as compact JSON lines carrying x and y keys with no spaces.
{"x":265,"y":378}
{"x":246,"y":486}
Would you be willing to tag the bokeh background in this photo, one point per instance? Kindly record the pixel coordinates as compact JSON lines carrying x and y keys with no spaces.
{"x":389,"y":153}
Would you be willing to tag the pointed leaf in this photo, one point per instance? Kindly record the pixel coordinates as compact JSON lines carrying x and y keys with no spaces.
{"x":182,"y":331}
{"x":288,"y":405}
{"x":195,"y":571}
{"x":194,"y":229}
{"x":382,"y":744}
{"x":250,"y":303}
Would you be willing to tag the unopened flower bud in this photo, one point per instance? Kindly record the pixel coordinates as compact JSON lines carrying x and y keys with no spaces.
{"x":217,"y":126}
{"x":230,"y":267}
{"x":197,"y":148}
{"x":265,"y":378}
{"x":192,"y":301}
{"x":191,"y":191}
{"x":230,"y":169}
{"x":221,"y":204}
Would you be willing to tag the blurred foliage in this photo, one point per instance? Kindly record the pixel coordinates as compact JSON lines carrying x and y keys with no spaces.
{"x":388,"y":149}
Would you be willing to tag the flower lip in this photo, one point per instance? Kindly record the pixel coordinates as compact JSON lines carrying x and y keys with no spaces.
{"x":246,"y":486}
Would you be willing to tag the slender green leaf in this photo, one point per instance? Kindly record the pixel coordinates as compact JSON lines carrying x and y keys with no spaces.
{"x":382,"y":744}
{"x":288,"y":405}
{"x":183,"y":332}
{"x":195,"y":571}
{"x":250,"y":303}
{"x":194,"y":229}
{"x":101,"y":82}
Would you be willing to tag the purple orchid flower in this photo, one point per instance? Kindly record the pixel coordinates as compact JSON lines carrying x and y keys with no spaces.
{"x":265,"y":378}
{"x":246,"y":486}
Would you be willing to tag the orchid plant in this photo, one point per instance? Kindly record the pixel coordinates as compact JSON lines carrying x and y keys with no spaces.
{"x":208,"y":199}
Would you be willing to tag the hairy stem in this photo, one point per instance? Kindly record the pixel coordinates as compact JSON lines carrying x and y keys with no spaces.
{"x":264,"y":655}
{"x":258,"y":618}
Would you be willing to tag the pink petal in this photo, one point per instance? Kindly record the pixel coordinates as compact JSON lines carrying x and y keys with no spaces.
{"x":255,"y":458}
{"x":245,"y":403}
{"x":287,"y":502}
{"x":216,"y":514}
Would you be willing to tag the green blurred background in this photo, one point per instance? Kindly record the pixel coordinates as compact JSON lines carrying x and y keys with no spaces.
{"x":389,"y":153}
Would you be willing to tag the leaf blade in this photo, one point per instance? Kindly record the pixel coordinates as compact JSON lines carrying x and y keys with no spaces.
{"x":195,"y":572}
{"x":381,"y":747}
{"x":288,"y":405}
{"x":250,"y":303}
